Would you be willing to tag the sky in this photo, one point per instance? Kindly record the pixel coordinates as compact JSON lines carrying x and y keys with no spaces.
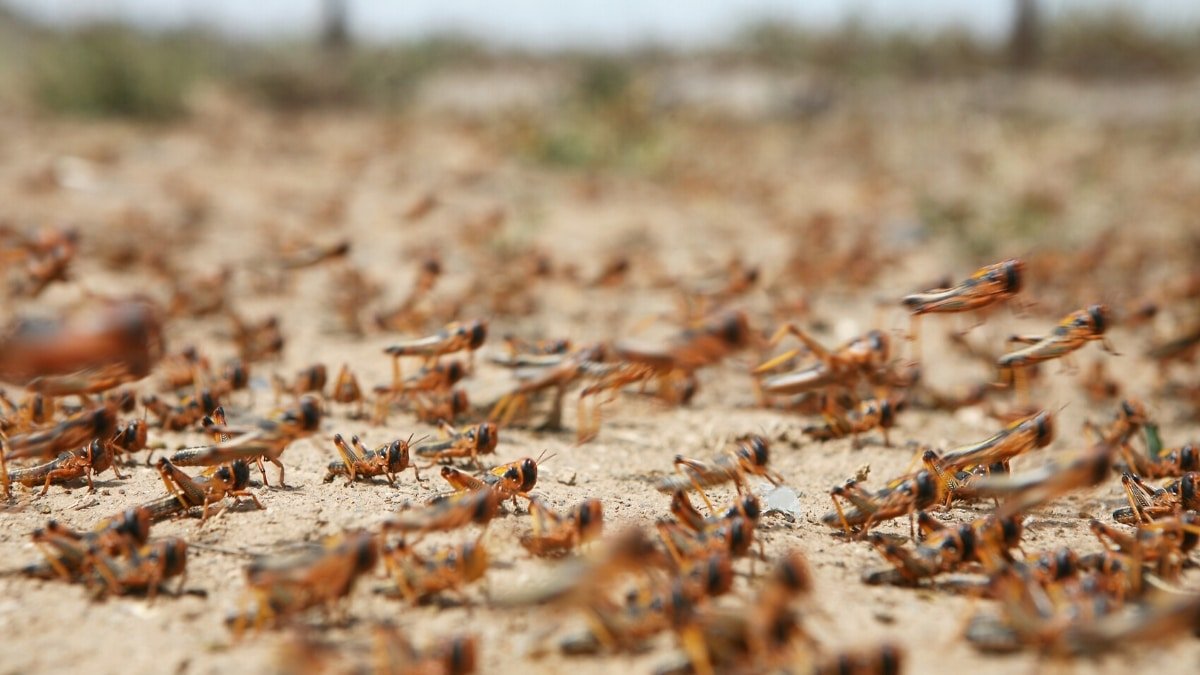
{"x":559,"y":23}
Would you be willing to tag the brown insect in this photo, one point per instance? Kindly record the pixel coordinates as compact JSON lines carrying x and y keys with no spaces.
{"x":231,"y":480}
{"x":436,"y":408}
{"x":315,"y":255}
{"x":77,"y":430}
{"x":863,"y":357}
{"x":116,"y":342}
{"x":455,"y":337}
{"x":47,"y":258}
{"x":609,"y":378}
{"x":94,"y":458}
{"x":130,"y":438}
{"x":387,"y":460}
{"x":731,"y":537}
{"x":69,"y":554}
{"x":419,"y":577}
{"x":885,"y":659}
{"x":280,"y":589}
{"x":396,"y":655}
{"x":761,"y":635}
{"x":432,"y":379}
{"x":308,"y":380}
{"x":520,"y":353}
{"x":411,"y":313}
{"x":256,"y":341}
{"x":1074,"y":331}
{"x":871,"y":414}
{"x":1163,"y":546}
{"x":736,"y":280}
{"x":557,"y":376}
{"x":447,"y":513}
{"x":183,"y":369}
{"x":556,"y":534}
{"x":1032,"y":488}
{"x":33,"y":412}
{"x":652,"y":610}
{"x":1034,"y":431}
{"x":985,"y":540}
{"x":144,"y":570}
{"x":749,"y":458}
{"x":346,"y":389}
{"x":902,"y":496}
{"x":265,"y":440}
{"x":1147,"y":504}
{"x":511,"y":480}
{"x":472,"y":442}
{"x":676,"y":364}
{"x":189,"y":411}
{"x":987,"y":286}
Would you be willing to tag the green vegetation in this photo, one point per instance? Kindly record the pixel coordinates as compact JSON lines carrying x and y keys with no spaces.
{"x":110,"y":70}
{"x":605,"y":121}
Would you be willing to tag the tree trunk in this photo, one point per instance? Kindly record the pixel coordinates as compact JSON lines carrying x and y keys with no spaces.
{"x":1025,"y":40}
{"x":335,"y":35}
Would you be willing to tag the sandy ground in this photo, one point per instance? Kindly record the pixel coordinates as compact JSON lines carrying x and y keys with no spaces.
{"x":1103,"y":158}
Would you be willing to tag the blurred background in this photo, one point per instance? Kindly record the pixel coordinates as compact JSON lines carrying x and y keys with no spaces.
{"x":907,"y":129}
{"x":140,"y":57}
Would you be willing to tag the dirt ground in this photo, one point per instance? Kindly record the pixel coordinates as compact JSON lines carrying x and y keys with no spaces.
{"x":1099,"y":157}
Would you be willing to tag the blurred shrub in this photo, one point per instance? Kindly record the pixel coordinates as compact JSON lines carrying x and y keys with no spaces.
{"x":1083,"y":44}
{"x":857,"y":50}
{"x":1118,"y":44}
{"x":111,"y":70}
{"x":605,"y":121}
{"x":303,"y":76}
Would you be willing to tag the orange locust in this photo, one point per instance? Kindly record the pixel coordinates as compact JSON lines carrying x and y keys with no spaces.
{"x":418,"y":577}
{"x":225,"y":481}
{"x":120,"y":341}
{"x":94,"y":458}
{"x":511,"y":480}
{"x":455,"y":337}
{"x":266,"y":439}
{"x":945,"y":548}
{"x":73,"y":432}
{"x":1035,"y":431}
{"x":871,"y":414}
{"x":560,"y":373}
{"x":144,"y":570}
{"x":987,"y":286}
{"x":387,"y":460}
{"x":556,"y":534}
{"x":1147,"y":504}
{"x":394,"y":654}
{"x":863,"y":357}
{"x":1033,"y":488}
{"x":439,"y":407}
{"x":430,"y":380}
{"x":902,"y":496}
{"x":675,"y":365}
{"x":188,"y":492}
{"x":1074,"y":331}
{"x":278,"y":589}
{"x":480,"y":439}
{"x":447,"y":513}
{"x":346,"y":389}
{"x":748,"y":459}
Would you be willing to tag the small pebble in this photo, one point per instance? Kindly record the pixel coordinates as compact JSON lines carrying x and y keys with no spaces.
{"x":785,"y":499}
